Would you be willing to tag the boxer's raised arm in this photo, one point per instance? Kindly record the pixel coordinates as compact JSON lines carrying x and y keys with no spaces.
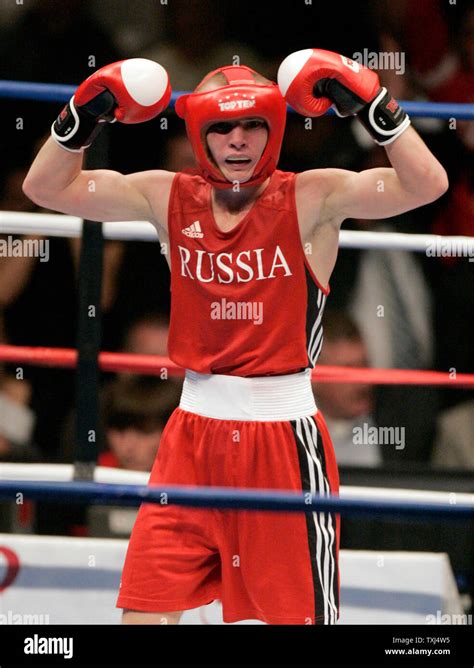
{"x":57,"y":181}
{"x":415,"y":179}
{"x":130,"y":91}
{"x":312,"y":80}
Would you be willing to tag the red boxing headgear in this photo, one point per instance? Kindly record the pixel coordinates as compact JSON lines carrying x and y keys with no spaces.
{"x":241,"y":97}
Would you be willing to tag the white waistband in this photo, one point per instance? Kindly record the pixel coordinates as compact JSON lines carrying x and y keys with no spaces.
{"x":264,"y":398}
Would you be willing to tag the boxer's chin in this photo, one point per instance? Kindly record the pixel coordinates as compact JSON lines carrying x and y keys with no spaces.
{"x":240,"y":174}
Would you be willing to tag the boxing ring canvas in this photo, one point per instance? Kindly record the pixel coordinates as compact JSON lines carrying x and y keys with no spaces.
{"x":58,"y":580}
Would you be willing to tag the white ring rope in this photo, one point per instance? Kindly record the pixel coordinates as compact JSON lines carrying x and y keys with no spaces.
{"x":65,"y":473}
{"x":102,"y":474}
{"x":58,"y":225}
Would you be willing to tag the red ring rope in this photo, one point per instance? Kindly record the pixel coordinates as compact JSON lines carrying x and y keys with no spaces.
{"x":66,"y":358}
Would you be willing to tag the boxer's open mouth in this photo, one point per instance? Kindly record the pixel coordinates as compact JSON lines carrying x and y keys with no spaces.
{"x":238,"y":161}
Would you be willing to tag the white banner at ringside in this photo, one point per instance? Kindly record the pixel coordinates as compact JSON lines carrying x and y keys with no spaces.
{"x":61,"y":580}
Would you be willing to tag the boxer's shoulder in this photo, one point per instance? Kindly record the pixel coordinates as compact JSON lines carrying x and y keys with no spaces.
{"x":319,"y":181}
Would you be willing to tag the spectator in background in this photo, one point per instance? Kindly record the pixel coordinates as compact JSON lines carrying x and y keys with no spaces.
{"x":33,"y":49}
{"x":132,"y":29}
{"x":38,"y":308}
{"x":458,"y":84}
{"x":17,"y":421}
{"x":37,"y":303}
{"x":198,"y":43}
{"x":135,"y":413}
{"x":453,"y":277}
{"x":148,"y":335}
{"x":454,"y":445}
{"x":38,"y":298}
{"x":392,"y":302}
{"x":346,"y":406}
{"x":432,"y":60}
{"x":46,"y":26}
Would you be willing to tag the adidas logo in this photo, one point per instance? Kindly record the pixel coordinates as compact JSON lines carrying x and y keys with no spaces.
{"x":194,"y":230}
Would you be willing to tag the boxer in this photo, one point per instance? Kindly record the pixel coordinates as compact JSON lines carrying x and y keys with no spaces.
{"x":237,"y":228}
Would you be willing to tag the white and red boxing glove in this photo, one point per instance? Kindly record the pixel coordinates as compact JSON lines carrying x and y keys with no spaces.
{"x":312,"y":80}
{"x":129,"y":91}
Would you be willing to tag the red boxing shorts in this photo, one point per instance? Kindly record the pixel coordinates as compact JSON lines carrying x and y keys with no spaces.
{"x":281,"y":568}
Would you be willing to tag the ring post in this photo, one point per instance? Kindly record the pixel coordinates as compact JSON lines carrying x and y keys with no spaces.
{"x":88,"y":348}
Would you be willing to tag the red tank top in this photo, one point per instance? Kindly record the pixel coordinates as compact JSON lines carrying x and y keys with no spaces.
{"x":243,"y":302}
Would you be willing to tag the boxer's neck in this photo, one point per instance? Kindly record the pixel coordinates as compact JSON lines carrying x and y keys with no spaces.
{"x":234,"y":202}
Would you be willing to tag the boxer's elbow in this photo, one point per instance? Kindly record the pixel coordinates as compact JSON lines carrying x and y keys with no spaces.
{"x":31,"y":190}
{"x":433,"y":183}
{"x":439,"y":183}
{"x":37,"y":192}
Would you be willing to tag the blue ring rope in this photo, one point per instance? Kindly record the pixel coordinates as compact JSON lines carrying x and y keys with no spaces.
{"x":227,"y":498}
{"x":44,"y":92}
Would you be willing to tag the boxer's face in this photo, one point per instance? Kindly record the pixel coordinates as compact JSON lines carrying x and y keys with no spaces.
{"x":237,"y":146}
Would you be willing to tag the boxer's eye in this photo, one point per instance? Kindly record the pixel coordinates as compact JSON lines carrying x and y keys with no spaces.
{"x":254,"y":124}
{"x":222,"y":128}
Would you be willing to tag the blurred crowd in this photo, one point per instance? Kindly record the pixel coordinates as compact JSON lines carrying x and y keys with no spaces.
{"x":428,"y":315}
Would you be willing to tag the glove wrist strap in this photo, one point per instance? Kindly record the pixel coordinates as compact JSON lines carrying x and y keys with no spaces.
{"x":76,"y":127}
{"x":384,"y":118}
